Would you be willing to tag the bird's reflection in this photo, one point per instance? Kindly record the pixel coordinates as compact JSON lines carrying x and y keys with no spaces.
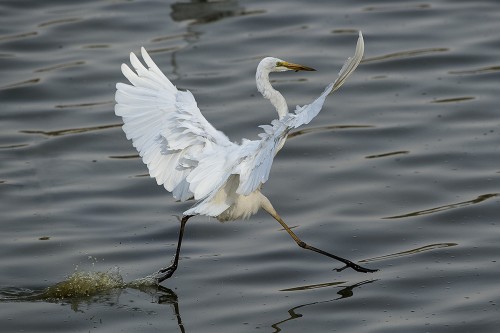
{"x":203,"y":11}
{"x":345,"y":292}
{"x":170,"y":297}
{"x":164,"y":295}
{"x":76,"y":291}
{"x":198,"y":12}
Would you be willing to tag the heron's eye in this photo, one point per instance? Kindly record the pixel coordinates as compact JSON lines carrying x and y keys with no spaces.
{"x":279,"y":64}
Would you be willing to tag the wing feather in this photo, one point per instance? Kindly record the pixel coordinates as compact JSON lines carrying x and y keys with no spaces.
{"x":185,"y":153}
{"x":168,"y":130}
{"x":256,"y":166}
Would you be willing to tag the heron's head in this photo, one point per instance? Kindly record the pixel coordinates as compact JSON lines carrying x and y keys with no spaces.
{"x":278,"y":65}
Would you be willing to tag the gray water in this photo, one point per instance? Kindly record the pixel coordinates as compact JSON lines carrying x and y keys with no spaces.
{"x":400,"y":171}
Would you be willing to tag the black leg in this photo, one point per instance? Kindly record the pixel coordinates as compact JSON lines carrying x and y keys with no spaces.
{"x":167,"y":272}
{"x":266,"y":205}
{"x":347,"y":263}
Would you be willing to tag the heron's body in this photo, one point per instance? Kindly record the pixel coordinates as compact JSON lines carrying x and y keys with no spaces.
{"x":193,"y":160}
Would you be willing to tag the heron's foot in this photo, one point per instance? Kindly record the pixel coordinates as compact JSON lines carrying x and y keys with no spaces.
{"x":165,"y":273}
{"x":356,"y":267}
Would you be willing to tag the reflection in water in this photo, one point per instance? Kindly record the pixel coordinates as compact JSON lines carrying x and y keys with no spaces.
{"x":404,"y":54}
{"x":106,"y":287}
{"x":477,"y":200}
{"x":392,"y":153}
{"x":396,"y":7}
{"x":315,"y":286}
{"x":22,"y":83}
{"x":125,"y":157}
{"x":60,"y":21}
{"x":83,"y":105}
{"x":14,"y":146}
{"x":18,"y":36}
{"x":345,"y":292}
{"x":203,"y":11}
{"x":71,"y":130}
{"x":324,"y":129}
{"x":481,"y":70}
{"x":60,"y":66}
{"x":198,"y":11}
{"x":411,"y":252}
{"x":454,"y":100}
{"x":168,"y":296}
{"x":93,"y":287}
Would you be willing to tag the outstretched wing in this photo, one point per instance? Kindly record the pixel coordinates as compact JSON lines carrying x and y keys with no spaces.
{"x":255,"y":168}
{"x":168,"y":130}
{"x":304,"y":114}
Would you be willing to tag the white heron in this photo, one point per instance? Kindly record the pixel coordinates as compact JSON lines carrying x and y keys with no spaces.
{"x":193,"y":160}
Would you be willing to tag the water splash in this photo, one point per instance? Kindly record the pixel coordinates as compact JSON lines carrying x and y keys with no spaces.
{"x":147,"y":281}
{"x":82,"y":288}
{"x":85,"y":284}
{"x":79,"y":285}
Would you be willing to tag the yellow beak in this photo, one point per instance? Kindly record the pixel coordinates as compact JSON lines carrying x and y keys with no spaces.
{"x":295,"y":67}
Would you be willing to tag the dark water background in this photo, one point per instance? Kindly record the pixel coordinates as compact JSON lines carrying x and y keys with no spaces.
{"x":401,"y":170}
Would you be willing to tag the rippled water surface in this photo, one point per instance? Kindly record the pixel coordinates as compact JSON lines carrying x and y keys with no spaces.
{"x":400,"y":171}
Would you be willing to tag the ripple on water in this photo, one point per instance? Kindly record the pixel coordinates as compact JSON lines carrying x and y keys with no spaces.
{"x":400,"y":167}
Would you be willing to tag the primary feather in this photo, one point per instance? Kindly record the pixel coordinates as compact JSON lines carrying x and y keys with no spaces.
{"x":192,"y":159}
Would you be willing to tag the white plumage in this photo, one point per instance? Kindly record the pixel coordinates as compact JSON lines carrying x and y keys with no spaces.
{"x":188,"y":156}
{"x":192,"y":159}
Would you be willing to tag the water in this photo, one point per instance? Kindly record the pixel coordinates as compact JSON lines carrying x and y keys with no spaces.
{"x":400,"y":171}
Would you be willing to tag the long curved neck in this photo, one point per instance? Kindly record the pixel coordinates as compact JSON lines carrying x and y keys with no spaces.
{"x":273,"y":95}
